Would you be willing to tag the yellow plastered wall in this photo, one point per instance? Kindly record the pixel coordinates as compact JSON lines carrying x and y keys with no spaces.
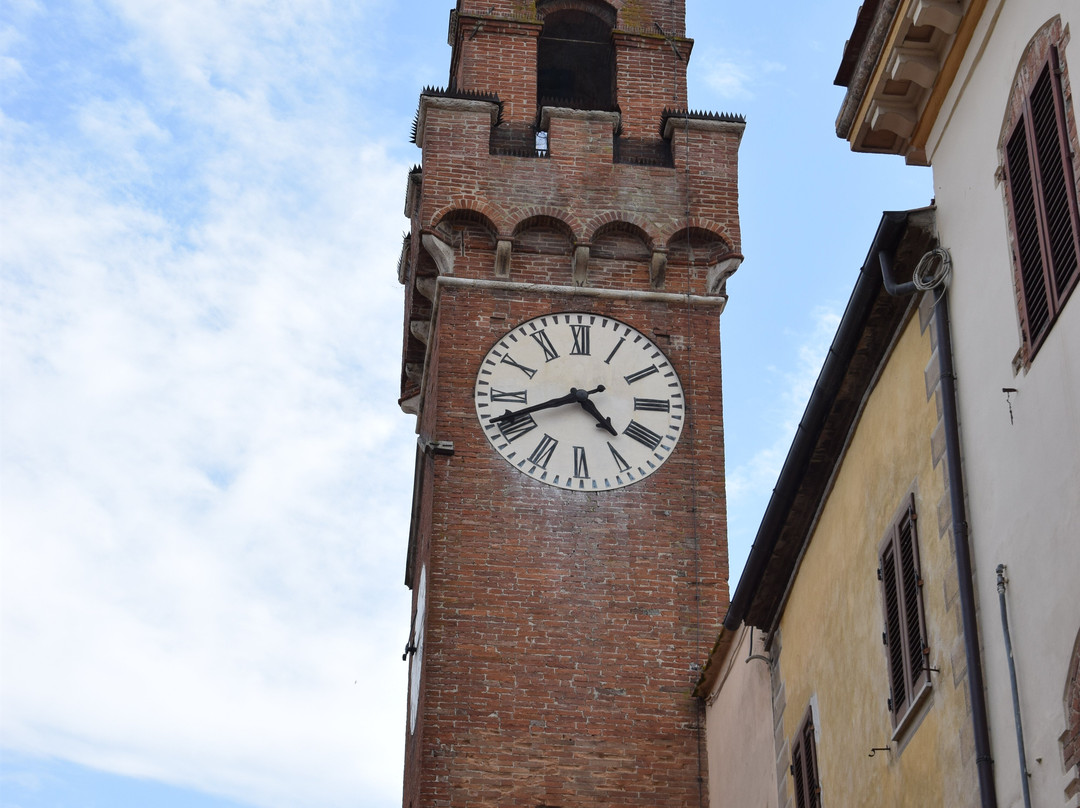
{"x":831,"y":627}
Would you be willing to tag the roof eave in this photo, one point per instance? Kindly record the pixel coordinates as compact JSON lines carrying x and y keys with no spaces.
{"x":758,"y":597}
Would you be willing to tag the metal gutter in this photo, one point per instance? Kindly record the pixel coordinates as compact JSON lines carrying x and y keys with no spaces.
{"x":968,"y":611}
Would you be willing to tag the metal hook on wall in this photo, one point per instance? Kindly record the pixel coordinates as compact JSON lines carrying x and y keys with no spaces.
{"x":1008,"y":391}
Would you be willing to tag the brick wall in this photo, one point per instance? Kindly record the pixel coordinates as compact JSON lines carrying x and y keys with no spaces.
{"x":564,"y":629}
{"x":579,"y":186}
{"x":495,"y":50}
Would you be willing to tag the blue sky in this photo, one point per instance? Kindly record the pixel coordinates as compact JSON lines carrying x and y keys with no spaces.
{"x":204,"y":475}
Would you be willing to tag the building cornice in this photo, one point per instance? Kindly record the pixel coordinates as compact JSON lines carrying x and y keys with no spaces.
{"x":909,"y":53}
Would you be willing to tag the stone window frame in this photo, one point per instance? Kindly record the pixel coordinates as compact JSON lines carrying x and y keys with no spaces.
{"x":1070,"y":738}
{"x":1041,"y":289}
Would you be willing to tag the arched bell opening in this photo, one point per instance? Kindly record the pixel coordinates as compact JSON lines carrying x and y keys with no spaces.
{"x":575,"y":61}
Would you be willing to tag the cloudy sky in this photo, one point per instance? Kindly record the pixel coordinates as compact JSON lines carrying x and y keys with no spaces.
{"x":204,"y":475}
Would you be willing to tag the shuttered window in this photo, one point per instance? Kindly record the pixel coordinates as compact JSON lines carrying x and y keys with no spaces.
{"x":1041,"y":191}
{"x":905,"y":622}
{"x":804,"y":771}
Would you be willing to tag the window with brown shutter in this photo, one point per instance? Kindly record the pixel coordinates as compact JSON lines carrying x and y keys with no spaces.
{"x":804,"y":771}
{"x":905,"y":620}
{"x":1041,"y":193}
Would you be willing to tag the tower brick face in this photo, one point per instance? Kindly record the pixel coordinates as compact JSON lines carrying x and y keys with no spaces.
{"x":559,"y":633}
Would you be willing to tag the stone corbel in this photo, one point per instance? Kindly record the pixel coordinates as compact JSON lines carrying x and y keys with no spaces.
{"x":917,"y":67}
{"x":502,"y":258}
{"x":944,"y":15}
{"x":581,"y":265}
{"x":421,"y":329}
{"x":410,"y":405}
{"x":414,"y":372}
{"x":716,"y":278}
{"x":426,"y":287}
{"x":442,"y":252}
{"x":893,"y":118}
{"x":658,"y":269}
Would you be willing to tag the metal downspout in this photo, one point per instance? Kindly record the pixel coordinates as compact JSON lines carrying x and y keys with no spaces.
{"x":983,"y":761}
{"x":1001,"y":582}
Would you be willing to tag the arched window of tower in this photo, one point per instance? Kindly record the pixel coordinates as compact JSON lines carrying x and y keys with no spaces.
{"x":576,"y":62}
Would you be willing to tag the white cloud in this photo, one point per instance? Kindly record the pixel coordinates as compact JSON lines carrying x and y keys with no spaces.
{"x":735,"y":76}
{"x":204,"y":478}
{"x":730,"y":80}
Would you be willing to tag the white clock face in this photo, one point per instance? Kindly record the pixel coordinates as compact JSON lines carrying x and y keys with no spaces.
{"x":580,"y":401}
{"x":418,"y":655}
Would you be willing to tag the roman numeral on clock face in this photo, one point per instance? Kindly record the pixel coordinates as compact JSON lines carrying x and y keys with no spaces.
{"x":544,"y":341}
{"x":641,"y":374}
{"x":652,"y":404}
{"x":543,"y":451}
{"x":581,"y":466}
{"x":614,"y":350}
{"x":508,"y":360}
{"x":581,"y":340}
{"x":515,"y":396}
{"x":514,"y":428}
{"x":642,"y":434}
{"x":620,"y":461}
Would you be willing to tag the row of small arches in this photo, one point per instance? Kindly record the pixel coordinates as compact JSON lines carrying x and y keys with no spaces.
{"x":698,"y":235}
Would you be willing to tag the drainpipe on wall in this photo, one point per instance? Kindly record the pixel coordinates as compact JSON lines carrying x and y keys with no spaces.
{"x":1001,"y":582}
{"x":983,"y":761}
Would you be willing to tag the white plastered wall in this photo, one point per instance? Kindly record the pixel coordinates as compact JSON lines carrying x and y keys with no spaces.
{"x":1022,"y":477}
{"x":739,"y":728}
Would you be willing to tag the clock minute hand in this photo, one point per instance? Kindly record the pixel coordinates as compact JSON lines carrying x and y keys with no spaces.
{"x":569,"y":398}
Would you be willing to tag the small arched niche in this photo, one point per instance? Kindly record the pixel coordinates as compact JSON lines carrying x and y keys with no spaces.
{"x":575,"y":64}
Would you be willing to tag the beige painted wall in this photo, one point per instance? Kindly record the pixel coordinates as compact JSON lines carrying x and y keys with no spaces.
{"x":831,"y":628}
{"x":739,"y":729}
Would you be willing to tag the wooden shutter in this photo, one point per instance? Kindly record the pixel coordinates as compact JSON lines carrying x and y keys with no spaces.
{"x":1042,"y":206}
{"x":1055,"y":172}
{"x":804,"y":771}
{"x":905,"y":619}
{"x":1035,"y":306}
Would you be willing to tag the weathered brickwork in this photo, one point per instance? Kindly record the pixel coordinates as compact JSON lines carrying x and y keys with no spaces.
{"x":564,"y":631}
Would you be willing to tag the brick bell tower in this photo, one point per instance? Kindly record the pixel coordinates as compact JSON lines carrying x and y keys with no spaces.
{"x":572,"y":229}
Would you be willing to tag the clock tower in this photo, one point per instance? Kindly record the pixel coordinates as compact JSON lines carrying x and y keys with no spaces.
{"x":572,"y":229}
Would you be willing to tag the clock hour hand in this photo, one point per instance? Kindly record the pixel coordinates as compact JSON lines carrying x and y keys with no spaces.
{"x":569,"y":398}
{"x":601,"y":421}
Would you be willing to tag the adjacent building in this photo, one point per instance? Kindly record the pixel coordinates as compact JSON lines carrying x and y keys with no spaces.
{"x":964,"y":507}
{"x":851,"y":587}
{"x":981,"y":91}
